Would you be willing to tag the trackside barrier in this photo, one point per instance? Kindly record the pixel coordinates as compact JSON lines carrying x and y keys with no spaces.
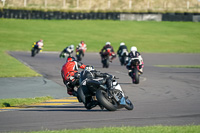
{"x":27,"y":14}
{"x":141,"y":17}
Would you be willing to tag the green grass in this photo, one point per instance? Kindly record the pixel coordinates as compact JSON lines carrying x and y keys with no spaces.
{"x":180,"y":66}
{"x":146,"y":129}
{"x":149,"y":37}
{"x":22,"y":101}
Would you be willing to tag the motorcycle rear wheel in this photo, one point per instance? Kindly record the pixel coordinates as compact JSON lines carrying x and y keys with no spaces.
{"x":81,"y":96}
{"x":103,"y":99}
{"x":105,"y":63}
{"x":135,"y":76}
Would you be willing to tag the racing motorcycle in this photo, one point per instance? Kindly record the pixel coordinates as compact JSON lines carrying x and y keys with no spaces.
{"x":79,"y":53}
{"x":112,"y":99}
{"x":106,"y":57}
{"x":135,"y":73}
{"x":123,"y":57}
{"x":35,"y":49}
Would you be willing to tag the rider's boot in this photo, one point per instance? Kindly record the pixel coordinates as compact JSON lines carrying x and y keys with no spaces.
{"x":141,"y":71}
{"x":91,"y":104}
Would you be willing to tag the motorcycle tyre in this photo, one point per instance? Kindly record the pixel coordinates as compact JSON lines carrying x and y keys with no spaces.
{"x":129,"y":105}
{"x":136,"y":75}
{"x":104,"y":101}
{"x":33,"y":52}
{"x":81,"y":95}
{"x":123,"y":60}
{"x":105,"y":63}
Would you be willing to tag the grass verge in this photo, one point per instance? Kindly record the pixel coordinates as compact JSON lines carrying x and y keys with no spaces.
{"x":147,"y":129}
{"x":180,"y":66}
{"x":22,"y":101}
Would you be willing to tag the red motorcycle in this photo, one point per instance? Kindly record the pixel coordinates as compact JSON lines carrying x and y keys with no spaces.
{"x":106,"y":57}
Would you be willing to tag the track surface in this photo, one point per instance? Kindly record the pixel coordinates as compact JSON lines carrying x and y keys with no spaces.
{"x":167,"y":96}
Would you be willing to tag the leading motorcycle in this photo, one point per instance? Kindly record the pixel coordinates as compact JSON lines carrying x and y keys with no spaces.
{"x":35,"y":49}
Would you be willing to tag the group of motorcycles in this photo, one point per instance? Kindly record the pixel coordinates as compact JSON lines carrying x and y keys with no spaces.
{"x":80,"y":52}
{"x":123,"y":58}
{"x":109,"y":99}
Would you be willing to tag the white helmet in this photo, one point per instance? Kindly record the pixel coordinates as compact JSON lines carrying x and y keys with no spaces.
{"x":108,"y":43}
{"x":89,"y":68}
{"x":72,"y":46}
{"x":122,"y":43}
{"x":133,"y":48}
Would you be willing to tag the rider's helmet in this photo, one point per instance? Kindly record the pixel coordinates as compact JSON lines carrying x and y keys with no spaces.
{"x":108,"y":43}
{"x":122,"y":43}
{"x":72,"y":46}
{"x":133,"y":49}
{"x":82,"y":42}
{"x":89,"y":68}
{"x":70,"y":59}
{"x":41,"y":40}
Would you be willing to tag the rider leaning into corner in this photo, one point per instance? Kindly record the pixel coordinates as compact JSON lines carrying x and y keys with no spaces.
{"x":69,"y":72}
{"x":132,"y":55}
{"x":82,"y":46}
{"x":68,"y":50}
{"x":90,"y":76}
{"x":40,"y":44}
{"x":107,"y":49}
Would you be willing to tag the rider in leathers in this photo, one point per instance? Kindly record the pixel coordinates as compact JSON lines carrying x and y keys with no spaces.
{"x":68,"y":50}
{"x":122,"y":50}
{"x":82,"y":46}
{"x":91,"y":77}
{"x":105,"y":49}
{"x":69,"y":72}
{"x":134,"y":54}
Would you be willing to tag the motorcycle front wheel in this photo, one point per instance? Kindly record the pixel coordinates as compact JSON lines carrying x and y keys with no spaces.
{"x":33,"y":52}
{"x":104,"y":100}
{"x":129,"y":105}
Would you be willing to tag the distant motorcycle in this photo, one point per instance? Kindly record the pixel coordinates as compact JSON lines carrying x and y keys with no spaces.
{"x":110,"y":99}
{"x":79,"y":53}
{"x":123,"y":57}
{"x":135,"y":73}
{"x":35,"y":49}
{"x":106,"y":57}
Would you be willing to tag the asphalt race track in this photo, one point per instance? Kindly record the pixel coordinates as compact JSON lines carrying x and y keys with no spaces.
{"x":165,"y":96}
